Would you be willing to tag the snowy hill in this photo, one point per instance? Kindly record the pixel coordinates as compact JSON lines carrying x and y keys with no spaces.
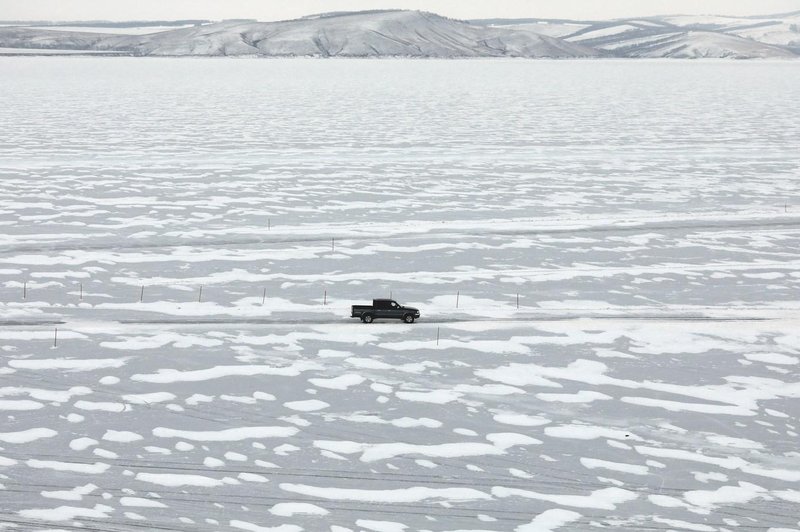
{"x":398,"y":33}
{"x":362,"y":34}
{"x":683,"y":36}
{"x":698,"y":44}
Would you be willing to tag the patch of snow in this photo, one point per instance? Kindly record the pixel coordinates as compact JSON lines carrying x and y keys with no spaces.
{"x":342,"y":382}
{"x":401,"y":495}
{"x":602,"y":499}
{"x":27,"y":436}
{"x":173,"y":480}
{"x":289,"y":509}
{"x":234,"y":434}
{"x":121,"y":436}
{"x":67,"y":513}
{"x":550,"y":520}
{"x":140,"y":502}
{"x":593,"y":463}
{"x":68,"y":364}
{"x":73,"y":467}
{"x":309,"y":405}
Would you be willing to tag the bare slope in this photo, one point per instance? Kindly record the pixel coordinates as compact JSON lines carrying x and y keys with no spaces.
{"x":34,"y":38}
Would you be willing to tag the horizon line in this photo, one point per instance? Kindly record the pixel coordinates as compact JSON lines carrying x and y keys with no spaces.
{"x":52,"y":22}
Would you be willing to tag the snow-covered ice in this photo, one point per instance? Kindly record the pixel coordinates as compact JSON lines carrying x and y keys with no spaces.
{"x":644,"y":213}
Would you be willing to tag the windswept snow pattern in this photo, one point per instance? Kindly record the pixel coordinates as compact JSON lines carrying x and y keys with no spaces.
{"x":646,"y":214}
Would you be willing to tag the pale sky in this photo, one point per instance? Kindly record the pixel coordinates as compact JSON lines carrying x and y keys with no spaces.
{"x":463,"y":9}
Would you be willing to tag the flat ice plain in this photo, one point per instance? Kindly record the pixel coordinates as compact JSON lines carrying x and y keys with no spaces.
{"x":646,"y":213}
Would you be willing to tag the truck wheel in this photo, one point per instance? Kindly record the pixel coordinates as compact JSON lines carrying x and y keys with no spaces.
{"x":367,"y":318}
{"x":408,"y":318}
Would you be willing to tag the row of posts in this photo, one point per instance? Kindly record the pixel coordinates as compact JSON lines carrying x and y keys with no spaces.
{"x":263,"y":295}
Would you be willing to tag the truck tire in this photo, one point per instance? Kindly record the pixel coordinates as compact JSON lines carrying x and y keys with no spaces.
{"x":408,"y":318}
{"x":367,"y":318}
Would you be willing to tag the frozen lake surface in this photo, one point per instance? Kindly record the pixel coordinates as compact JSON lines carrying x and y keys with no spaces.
{"x":197,"y":229}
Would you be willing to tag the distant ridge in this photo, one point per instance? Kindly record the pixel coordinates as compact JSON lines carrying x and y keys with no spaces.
{"x":404,"y":33}
{"x":674,"y":36}
{"x":105,"y":23}
{"x":394,"y":33}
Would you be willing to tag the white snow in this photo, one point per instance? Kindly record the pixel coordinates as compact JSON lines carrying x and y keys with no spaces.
{"x":174,"y":480}
{"x":252,"y":477}
{"x":19,"y":404}
{"x":403,"y":422}
{"x":68,"y":364}
{"x":309,"y":405}
{"x":772,"y":358}
{"x":738,"y":443}
{"x":655,"y":349}
{"x":103,"y":406}
{"x":372,"y":452}
{"x":684,"y":525}
{"x":67,"y":513}
{"x":6,"y":462}
{"x":589,"y":432}
{"x":506,"y":440}
{"x":400,"y":495}
{"x":381,"y":526}
{"x":177,"y":340}
{"x":148,"y":398}
{"x":288,"y":509}
{"x":232,"y":434}
{"x":594,"y":463}
{"x":75,"y":467}
{"x":523,"y":420}
{"x":80,"y":444}
{"x":602,"y":499}
{"x":550,"y":520}
{"x":75,"y":494}
{"x":168,"y":376}
{"x":611,"y":30}
{"x":439,"y":397}
{"x":27,"y":436}
{"x":250,"y":527}
{"x":121,"y":436}
{"x":140,"y":502}
{"x":583,"y":396}
{"x":743,"y":493}
{"x":342,"y":382}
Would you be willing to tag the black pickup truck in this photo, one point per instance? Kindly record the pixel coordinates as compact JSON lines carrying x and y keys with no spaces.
{"x":384,"y":308}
